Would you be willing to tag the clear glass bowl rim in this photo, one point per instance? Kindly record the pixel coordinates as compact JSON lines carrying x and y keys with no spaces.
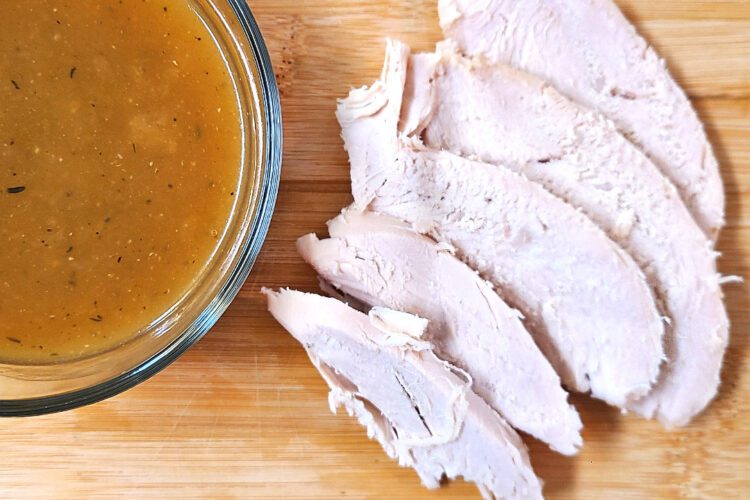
{"x":267,"y":193}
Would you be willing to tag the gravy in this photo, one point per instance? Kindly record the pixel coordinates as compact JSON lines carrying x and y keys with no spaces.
{"x":120,"y":154}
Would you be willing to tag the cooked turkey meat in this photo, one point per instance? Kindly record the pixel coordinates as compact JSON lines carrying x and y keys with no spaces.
{"x":504,"y":116}
{"x":584,"y":299}
{"x":590,"y":52}
{"x":380,"y":261}
{"x":421,"y":409}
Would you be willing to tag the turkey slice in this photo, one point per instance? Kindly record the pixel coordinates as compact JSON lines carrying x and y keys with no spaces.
{"x":421,"y":409}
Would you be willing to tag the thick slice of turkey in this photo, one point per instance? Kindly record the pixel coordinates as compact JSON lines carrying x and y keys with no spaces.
{"x":591,"y":53}
{"x":504,"y":116}
{"x":421,"y":409}
{"x":584,"y":299}
{"x":380,"y":261}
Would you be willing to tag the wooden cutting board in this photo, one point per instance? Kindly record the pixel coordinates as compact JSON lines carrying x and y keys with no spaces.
{"x":244,"y":414}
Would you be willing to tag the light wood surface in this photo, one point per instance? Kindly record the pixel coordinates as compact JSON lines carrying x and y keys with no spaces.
{"x":245,"y":415}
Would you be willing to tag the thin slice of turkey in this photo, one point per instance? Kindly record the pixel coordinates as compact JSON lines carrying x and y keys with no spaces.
{"x":380,"y":261}
{"x":504,"y":116}
{"x":421,"y":409}
{"x":585,"y":300}
{"x":590,"y":52}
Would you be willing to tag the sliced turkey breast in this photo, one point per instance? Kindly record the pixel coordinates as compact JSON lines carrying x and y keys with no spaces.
{"x":584,"y":299}
{"x":380,"y":261}
{"x":591,"y":53}
{"x":421,"y":409}
{"x":504,"y":116}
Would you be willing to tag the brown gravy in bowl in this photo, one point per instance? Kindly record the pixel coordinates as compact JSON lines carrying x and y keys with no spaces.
{"x":120,"y":156}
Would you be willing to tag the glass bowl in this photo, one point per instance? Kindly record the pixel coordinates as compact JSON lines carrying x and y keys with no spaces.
{"x":39,"y":389}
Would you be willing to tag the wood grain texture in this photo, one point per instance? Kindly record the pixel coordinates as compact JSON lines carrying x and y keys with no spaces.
{"x":244,"y":414}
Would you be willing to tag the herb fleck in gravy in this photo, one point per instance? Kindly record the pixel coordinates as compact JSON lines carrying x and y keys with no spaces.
{"x":120,"y":152}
